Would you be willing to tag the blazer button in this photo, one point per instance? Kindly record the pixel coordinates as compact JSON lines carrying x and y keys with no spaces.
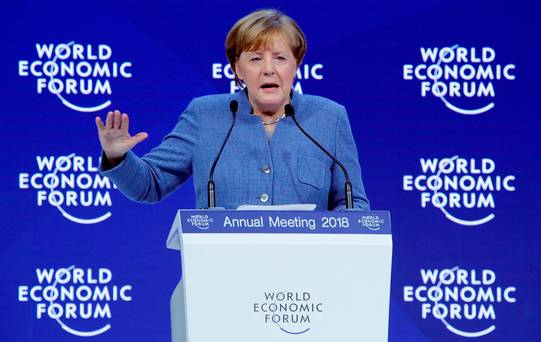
{"x":264,"y":197}
{"x":266,"y":169}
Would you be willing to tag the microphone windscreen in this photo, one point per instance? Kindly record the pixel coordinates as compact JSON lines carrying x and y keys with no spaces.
{"x":233,"y":106}
{"x":289,"y":110}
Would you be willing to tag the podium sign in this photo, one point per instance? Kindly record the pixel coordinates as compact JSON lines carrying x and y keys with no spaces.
{"x":284,"y":275}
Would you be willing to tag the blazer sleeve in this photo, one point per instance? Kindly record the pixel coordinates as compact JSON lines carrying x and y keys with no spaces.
{"x":164,"y":168}
{"x":346,"y":152}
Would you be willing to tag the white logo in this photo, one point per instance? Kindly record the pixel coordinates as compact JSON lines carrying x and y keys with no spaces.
{"x":304,"y":72}
{"x":72,"y":185}
{"x":74,"y":295}
{"x":454,"y":73}
{"x":457,"y":296}
{"x":459,"y":185}
{"x":292,"y":312}
{"x":371,"y":222}
{"x":72,"y":71}
{"x":200,"y":221}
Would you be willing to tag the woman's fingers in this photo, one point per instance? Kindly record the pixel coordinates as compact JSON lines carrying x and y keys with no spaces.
{"x":99,"y":123}
{"x":114,"y":120}
{"x":109,"y":120}
{"x":117,"y":119}
{"x":124,"y":124}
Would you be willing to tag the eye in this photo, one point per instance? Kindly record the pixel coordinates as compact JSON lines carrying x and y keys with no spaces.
{"x":279,"y":59}
{"x":255,"y":59}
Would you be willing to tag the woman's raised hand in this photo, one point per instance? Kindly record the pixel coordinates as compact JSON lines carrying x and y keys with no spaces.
{"x":115,"y":139}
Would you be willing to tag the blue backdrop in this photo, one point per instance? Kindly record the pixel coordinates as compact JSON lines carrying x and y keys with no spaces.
{"x":448,"y":141}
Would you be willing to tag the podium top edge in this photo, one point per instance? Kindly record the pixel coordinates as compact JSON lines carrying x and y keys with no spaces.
{"x":287,"y":211}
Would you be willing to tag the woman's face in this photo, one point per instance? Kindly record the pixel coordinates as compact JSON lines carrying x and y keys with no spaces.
{"x":268,"y":74}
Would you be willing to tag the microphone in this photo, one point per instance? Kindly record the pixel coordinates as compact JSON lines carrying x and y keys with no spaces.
{"x":211,"y":192}
{"x":290,"y":111}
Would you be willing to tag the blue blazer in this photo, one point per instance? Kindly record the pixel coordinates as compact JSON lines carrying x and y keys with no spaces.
{"x":286,"y":169}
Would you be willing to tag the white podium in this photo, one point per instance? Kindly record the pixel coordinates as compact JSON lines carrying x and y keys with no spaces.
{"x":282,"y":276}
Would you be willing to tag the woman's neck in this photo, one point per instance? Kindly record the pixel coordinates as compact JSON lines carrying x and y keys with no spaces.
{"x":269,"y":117}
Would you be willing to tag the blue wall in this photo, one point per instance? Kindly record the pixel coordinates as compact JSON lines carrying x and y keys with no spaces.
{"x":366,"y":55}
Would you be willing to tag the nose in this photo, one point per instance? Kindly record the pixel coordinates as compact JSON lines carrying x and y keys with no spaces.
{"x":268,"y":67}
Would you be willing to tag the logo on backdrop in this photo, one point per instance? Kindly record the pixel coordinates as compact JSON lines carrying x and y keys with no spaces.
{"x":78,"y":299}
{"x":462,"y":189}
{"x":304,"y":72}
{"x":463,"y":78}
{"x":291,"y":312}
{"x":72,"y":185}
{"x":465,"y":301}
{"x":79,"y":75}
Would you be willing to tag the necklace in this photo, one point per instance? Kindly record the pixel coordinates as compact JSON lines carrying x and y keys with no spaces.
{"x":273,"y":121}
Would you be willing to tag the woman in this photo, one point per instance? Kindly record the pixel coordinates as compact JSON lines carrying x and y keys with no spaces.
{"x":267,"y":160}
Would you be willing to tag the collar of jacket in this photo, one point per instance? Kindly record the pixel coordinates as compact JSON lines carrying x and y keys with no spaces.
{"x":245,"y":107}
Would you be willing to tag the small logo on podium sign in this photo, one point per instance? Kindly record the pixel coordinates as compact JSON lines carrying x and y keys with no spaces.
{"x":371,"y":222}
{"x":200,"y":221}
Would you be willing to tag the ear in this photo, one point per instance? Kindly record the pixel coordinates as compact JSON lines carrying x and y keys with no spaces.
{"x":238,"y":71}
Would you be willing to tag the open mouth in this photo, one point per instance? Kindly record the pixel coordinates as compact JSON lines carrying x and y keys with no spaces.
{"x":269,"y":86}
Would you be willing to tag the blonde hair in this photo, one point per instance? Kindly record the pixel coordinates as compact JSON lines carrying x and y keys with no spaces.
{"x":257,"y":29}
